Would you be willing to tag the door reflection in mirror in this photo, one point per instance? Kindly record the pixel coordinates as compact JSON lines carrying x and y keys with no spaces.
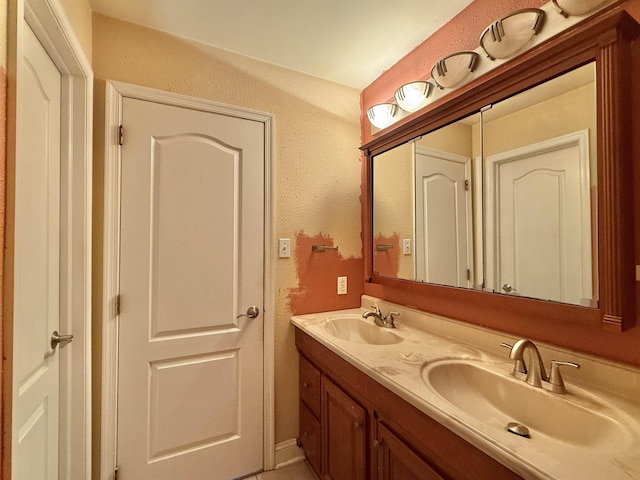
{"x":505,"y":197}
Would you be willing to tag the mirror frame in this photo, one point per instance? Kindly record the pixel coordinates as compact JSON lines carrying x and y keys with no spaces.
{"x":605,"y":39}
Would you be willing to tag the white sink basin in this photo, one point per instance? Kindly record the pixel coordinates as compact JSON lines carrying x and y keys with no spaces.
{"x":494,"y":399}
{"x":354,"y":328}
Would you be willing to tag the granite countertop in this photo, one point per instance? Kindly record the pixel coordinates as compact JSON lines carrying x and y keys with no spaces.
{"x":399,"y":367}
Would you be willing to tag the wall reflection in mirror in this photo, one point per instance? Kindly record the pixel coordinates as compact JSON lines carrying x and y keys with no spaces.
{"x":502,"y":200}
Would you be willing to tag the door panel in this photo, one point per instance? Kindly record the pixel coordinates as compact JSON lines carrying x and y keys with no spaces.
{"x":344,"y":435}
{"x":190,"y":399}
{"x":443,"y":218}
{"x":36,"y":269}
{"x":542,"y":245}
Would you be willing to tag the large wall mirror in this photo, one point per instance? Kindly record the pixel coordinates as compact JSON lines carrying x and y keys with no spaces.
{"x":502,"y":200}
{"x":506,"y":202}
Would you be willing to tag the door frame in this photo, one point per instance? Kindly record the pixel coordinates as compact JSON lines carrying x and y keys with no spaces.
{"x":48,"y":20}
{"x":115,"y":92}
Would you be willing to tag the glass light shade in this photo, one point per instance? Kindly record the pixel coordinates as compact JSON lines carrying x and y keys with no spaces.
{"x":508,"y":35}
{"x":453,"y":69}
{"x":381,"y":115}
{"x":576,"y":7}
{"x":413,"y":96}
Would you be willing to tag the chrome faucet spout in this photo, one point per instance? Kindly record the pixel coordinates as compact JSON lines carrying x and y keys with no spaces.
{"x":536,"y":372}
{"x":386,"y":321}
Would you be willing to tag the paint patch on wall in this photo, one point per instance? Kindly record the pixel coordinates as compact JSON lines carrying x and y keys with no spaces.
{"x":386,"y":255}
{"x":318,"y":277}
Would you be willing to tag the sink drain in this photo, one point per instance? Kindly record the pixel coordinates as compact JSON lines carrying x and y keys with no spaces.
{"x":518,"y":429}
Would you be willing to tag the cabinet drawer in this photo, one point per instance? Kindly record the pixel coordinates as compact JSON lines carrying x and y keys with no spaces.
{"x":310,"y":437}
{"x":310,"y":386}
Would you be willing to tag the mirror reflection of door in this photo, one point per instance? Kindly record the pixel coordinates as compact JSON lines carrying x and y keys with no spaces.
{"x":538,"y":221}
{"x":443,"y":217}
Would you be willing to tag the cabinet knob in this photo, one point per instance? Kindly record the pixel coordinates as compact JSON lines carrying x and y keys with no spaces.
{"x":357,"y":425}
{"x":305,"y":385}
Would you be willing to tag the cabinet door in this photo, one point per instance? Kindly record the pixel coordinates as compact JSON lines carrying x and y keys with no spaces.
{"x":344,"y":435}
{"x":395,"y":460}
{"x":310,"y":385}
{"x":310,"y":436}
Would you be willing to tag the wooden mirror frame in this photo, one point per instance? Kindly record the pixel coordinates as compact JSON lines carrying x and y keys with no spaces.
{"x":606,"y":39}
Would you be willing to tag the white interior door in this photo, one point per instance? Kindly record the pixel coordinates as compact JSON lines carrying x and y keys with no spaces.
{"x":190,"y":384}
{"x":36,"y":269}
{"x":443,"y":218}
{"x":542,"y":223}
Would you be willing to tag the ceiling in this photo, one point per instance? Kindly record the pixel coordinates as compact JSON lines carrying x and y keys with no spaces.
{"x":350,"y":42}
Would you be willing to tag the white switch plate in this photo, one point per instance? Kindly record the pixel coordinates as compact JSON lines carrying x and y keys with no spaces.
{"x":342,"y":285}
{"x":406,"y":246}
{"x":284,"y":248}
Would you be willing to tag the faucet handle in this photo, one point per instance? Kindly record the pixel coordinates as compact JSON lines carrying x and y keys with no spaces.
{"x":391,"y":316}
{"x":555,"y":378}
{"x":376,"y":309}
{"x":519,"y":365}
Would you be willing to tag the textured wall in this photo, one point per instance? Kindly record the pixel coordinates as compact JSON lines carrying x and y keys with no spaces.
{"x":317,"y":168}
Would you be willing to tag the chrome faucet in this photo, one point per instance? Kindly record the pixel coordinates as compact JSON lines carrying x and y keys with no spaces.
{"x":536,"y":375}
{"x":386,"y":321}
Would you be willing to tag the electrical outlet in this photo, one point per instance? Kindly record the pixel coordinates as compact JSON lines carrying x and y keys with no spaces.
{"x":342,"y":285}
{"x":406,"y":246}
{"x":284,"y":248}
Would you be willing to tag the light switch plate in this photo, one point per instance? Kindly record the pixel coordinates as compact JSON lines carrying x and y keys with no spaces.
{"x":406,"y":246}
{"x":284,"y":248}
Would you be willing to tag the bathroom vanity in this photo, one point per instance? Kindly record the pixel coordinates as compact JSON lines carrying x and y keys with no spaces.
{"x":432,"y":398}
{"x":353,"y":427}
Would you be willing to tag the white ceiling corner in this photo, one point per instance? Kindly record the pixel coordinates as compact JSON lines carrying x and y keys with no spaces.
{"x":350,"y":42}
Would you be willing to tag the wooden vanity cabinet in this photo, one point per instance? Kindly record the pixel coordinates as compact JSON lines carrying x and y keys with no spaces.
{"x":395,"y":460}
{"x":333,"y":427}
{"x":344,"y":442}
{"x":310,"y":434}
{"x":368,"y":432}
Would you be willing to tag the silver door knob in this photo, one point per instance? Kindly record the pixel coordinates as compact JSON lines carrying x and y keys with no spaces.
{"x":62,"y":340}
{"x":508,"y":288}
{"x":252,"y":312}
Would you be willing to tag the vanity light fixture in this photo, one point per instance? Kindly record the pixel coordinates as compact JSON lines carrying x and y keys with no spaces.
{"x":452,"y":69}
{"x":506,"y":36}
{"x":381,"y":115}
{"x":413,"y":96}
{"x":576,"y":7}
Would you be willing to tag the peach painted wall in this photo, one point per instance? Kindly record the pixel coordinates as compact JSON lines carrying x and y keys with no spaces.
{"x":317,"y":171}
{"x":462,"y":33}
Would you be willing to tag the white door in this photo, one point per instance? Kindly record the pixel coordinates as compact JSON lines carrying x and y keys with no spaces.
{"x":36,"y":270}
{"x":190,"y":385}
{"x":542,"y":245}
{"x":443,"y":218}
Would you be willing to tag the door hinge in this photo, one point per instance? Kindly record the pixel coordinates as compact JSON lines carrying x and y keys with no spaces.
{"x":466,"y":184}
{"x":115,"y":473}
{"x":117,"y":301}
{"x":120,"y":135}
{"x":468,"y":274}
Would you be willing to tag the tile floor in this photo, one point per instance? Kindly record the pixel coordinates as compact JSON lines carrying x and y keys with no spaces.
{"x":295,"y":471}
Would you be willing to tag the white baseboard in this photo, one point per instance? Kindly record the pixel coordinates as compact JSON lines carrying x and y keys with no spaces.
{"x":288,"y":452}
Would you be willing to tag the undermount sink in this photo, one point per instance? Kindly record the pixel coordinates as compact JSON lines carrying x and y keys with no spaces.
{"x":496,"y":399}
{"x":354,"y":328}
